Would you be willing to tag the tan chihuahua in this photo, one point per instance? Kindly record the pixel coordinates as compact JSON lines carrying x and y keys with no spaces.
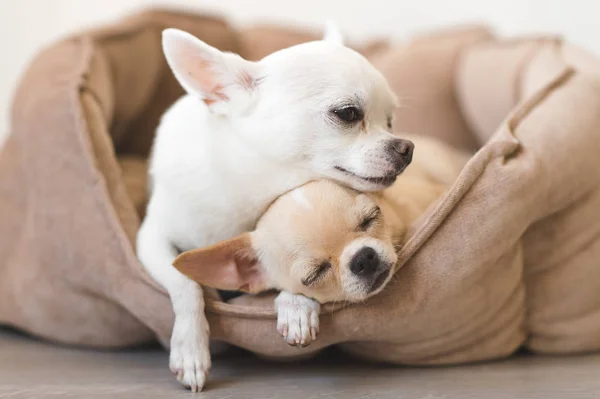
{"x":326,"y":242}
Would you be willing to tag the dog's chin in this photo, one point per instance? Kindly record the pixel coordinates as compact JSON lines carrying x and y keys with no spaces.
{"x":365,"y":182}
{"x":369,"y":289}
{"x":379,"y":283}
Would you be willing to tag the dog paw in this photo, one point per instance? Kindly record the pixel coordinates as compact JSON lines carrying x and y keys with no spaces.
{"x":297,"y":318}
{"x":190,"y":355}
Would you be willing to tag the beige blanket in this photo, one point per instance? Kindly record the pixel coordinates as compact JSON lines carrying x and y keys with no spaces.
{"x":510,"y":257}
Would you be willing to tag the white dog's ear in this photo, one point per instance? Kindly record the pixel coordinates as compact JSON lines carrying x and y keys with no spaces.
{"x":231,"y":265}
{"x":204,"y":71}
{"x":332,"y":33}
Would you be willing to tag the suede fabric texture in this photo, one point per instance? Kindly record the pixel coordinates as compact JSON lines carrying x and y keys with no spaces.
{"x":507,"y":258}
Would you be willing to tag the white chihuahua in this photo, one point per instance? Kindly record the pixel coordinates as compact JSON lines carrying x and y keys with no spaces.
{"x":245,"y":133}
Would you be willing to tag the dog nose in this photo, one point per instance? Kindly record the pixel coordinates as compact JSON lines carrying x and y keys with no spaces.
{"x":365,"y":262}
{"x":404,"y":148}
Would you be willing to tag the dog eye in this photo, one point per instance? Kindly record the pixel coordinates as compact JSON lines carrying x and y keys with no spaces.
{"x":349,"y":114}
{"x":369,"y":218}
{"x":316,"y":274}
{"x":389,"y":123}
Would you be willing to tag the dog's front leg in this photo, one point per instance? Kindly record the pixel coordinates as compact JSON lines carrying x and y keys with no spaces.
{"x":297,"y":318}
{"x":190,"y":357}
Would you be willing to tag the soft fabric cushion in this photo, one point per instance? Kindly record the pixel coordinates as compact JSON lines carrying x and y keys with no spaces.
{"x":507,"y":258}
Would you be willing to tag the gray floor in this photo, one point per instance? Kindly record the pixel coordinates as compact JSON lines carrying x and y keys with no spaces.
{"x":32,"y":369}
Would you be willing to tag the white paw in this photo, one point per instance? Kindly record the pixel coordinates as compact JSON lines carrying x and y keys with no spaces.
{"x":190,"y":355}
{"x":297,"y":318}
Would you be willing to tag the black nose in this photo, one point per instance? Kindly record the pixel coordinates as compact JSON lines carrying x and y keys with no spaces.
{"x":401,"y":151}
{"x":403,"y":147}
{"x":365,"y":262}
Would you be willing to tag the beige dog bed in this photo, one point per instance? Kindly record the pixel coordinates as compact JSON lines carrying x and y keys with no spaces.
{"x":510,"y":257}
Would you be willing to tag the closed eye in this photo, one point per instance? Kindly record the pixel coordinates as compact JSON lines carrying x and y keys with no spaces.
{"x":369,"y":218}
{"x":316,"y":274}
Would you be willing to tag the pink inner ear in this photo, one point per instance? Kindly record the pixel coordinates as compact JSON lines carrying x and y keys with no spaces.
{"x":195,"y":71}
{"x":199,"y":71}
{"x":239,"y":275}
{"x":250,"y":276}
{"x":218,"y":93}
{"x":246,"y":81}
{"x":230,"y":265}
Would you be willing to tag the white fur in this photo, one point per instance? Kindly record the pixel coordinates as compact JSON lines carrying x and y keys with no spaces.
{"x":297,"y":318}
{"x":332,"y":33}
{"x":300,"y":197}
{"x":244,"y":134}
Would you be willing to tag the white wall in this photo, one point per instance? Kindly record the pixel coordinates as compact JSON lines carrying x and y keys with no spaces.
{"x":26,"y":25}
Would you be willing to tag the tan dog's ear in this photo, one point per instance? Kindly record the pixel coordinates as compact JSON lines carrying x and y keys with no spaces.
{"x":229,"y":265}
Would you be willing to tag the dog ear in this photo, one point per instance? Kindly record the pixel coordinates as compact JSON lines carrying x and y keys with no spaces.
{"x":332,"y":33}
{"x":231,"y":265}
{"x":204,"y":71}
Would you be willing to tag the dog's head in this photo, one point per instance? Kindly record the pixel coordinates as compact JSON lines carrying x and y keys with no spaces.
{"x":319,"y":106}
{"x":321,"y":240}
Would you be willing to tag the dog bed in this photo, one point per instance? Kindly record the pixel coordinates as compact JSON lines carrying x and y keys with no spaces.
{"x":508,"y":258}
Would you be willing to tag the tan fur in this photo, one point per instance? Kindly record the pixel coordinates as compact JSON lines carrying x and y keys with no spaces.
{"x":238,"y":265}
{"x":319,"y":222}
